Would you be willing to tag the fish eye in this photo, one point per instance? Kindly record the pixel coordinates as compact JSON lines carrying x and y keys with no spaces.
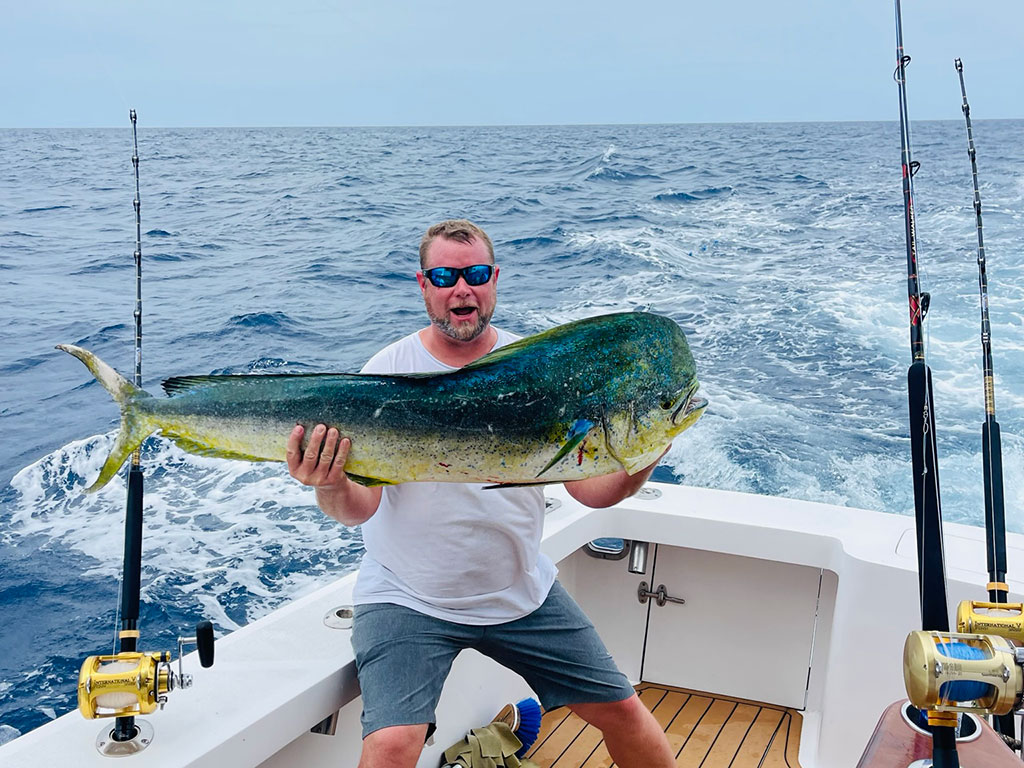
{"x":670,"y":400}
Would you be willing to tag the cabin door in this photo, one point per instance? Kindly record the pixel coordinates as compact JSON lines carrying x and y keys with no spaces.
{"x":746,"y":628}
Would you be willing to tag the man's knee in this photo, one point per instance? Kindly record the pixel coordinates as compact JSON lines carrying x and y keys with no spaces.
{"x":397,"y":746}
{"x":612,"y":714}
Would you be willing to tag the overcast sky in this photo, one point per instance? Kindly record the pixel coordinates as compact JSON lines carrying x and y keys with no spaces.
{"x":451,"y":62}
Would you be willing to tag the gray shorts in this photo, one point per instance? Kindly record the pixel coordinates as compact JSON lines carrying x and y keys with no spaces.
{"x":403,"y":658}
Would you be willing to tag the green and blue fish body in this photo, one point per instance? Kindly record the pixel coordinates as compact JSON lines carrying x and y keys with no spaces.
{"x":583,"y":399}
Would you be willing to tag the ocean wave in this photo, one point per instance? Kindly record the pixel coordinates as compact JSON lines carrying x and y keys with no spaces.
{"x":24,"y":364}
{"x":693,"y":196}
{"x":605,"y":173}
{"x":530,"y":243}
{"x":263,"y":321}
{"x":99,"y":268}
{"x":264,"y":365}
{"x":103,"y":336}
{"x":46,"y":208}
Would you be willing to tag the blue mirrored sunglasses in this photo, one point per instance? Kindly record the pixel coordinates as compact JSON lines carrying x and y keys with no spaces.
{"x":446,"y":277}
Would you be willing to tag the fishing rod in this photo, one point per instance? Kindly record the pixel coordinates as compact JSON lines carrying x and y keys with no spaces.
{"x":924,"y":455}
{"x":922,"y":411}
{"x":971,"y":614}
{"x":128,"y":683}
{"x":992,"y":453}
{"x":125,"y":729}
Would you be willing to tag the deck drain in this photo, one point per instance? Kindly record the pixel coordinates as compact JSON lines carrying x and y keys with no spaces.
{"x":340,"y":617}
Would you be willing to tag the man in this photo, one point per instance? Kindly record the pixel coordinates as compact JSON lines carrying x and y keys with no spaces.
{"x":450,"y":565}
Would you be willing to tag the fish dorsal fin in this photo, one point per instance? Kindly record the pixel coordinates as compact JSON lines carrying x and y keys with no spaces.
{"x":502,"y":353}
{"x":179,"y":384}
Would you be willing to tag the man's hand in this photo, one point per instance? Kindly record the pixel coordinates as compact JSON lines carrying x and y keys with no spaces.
{"x":322,"y":466}
{"x":316,"y":467}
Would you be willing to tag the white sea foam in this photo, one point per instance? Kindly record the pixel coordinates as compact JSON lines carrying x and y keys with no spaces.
{"x":235,"y":537}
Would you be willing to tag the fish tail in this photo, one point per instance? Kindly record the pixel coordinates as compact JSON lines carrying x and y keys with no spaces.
{"x":134,"y":427}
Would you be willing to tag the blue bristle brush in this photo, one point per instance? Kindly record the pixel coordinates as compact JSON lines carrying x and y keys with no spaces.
{"x":529,"y":724}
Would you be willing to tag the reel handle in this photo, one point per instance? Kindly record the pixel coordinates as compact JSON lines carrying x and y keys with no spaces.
{"x":204,"y":641}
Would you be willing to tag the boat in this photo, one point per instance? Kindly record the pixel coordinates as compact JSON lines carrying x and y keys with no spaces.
{"x":789,"y":640}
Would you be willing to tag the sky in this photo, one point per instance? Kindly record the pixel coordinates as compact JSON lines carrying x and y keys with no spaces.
{"x":451,"y":62}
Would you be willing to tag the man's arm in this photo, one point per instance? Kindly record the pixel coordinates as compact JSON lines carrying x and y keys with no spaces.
{"x":347,"y":502}
{"x":607,"y":490}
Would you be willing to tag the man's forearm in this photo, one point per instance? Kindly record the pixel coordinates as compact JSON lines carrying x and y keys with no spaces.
{"x":607,"y":490}
{"x":349,"y":504}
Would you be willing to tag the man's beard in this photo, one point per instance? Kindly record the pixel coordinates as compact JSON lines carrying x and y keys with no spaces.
{"x":461,"y":332}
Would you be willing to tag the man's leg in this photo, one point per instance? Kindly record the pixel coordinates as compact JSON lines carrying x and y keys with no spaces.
{"x":558,"y":652}
{"x":398,"y":746}
{"x":403,"y":658}
{"x":632,"y":735}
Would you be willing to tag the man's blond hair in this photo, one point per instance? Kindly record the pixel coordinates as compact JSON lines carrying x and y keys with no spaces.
{"x":460,"y":230}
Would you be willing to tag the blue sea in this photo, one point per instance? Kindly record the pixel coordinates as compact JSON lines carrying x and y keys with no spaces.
{"x":779,"y":248}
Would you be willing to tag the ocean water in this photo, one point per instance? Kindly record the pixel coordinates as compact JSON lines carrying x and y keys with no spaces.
{"x":778,"y":248}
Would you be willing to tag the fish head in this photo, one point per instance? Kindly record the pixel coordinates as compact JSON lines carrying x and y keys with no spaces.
{"x":657,"y":396}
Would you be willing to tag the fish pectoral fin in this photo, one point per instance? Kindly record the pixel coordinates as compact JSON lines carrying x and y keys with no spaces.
{"x":576,"y":435}
{"x":369,"y":482}
{"x":633,"y":464}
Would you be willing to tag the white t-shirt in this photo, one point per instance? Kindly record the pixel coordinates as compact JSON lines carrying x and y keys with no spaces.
{"x":453,"y":550}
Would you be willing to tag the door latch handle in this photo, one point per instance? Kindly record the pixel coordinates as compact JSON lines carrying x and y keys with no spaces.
{"x":660,"y":596}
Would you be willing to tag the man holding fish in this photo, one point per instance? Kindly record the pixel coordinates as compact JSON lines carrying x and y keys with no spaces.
{"x":454,"y":565}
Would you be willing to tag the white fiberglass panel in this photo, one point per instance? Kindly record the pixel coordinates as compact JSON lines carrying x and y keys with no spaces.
{"x":745,"y":630}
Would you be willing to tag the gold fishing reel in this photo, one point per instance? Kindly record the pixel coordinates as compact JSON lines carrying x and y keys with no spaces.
{"x":127,"y":684}
{"x":1003,"y":619}
{"x":959,"y":672}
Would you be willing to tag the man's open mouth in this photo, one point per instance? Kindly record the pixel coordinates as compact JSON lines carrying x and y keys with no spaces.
{"x":463,"y":311}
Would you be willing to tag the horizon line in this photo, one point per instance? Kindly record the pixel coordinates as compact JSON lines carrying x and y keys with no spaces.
{"x":503,"y":125}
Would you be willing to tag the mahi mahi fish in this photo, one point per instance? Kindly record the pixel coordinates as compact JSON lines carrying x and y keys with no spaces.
{"x":582,"y":399}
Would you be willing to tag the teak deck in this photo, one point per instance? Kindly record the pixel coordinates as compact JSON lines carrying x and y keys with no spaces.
{"x":704,"y":730}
